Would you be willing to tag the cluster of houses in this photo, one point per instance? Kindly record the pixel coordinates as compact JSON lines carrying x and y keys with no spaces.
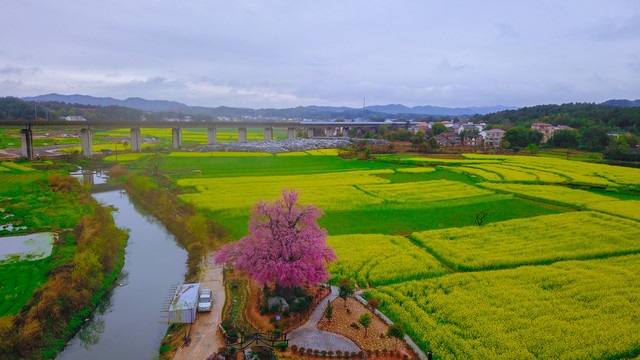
{"x":474,"y":135}
{"x":548,"y":130}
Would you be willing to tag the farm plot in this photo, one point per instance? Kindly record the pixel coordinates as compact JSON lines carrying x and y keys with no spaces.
{"x":625,"y":208}
{"x":99,"y":147}
{"x":421,"y":191}
{"x":575,"y":171}
{"x":539,"y":240}
{"x":557,"y":194}
{"x":327,"y":191}
{"x":268,"y":165}
{"x":126,"y":157}
{"x":377,"y":259}
{"x":567,"y":310}
{"x":574,"y":197}
{"x":416,"y":170}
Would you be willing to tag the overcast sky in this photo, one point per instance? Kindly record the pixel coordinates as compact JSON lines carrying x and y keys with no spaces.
{"x":261,"y":54}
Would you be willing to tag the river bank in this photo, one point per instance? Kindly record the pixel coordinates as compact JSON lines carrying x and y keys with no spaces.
{"x":127,"y":323}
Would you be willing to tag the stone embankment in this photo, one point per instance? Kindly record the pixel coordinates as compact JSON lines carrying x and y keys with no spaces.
{"x":288,"y":145}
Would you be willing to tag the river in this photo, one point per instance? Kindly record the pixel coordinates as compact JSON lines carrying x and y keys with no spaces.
{"x":128,"y":322}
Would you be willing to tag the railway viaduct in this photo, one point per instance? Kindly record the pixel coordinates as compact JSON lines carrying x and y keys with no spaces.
{"x":86,"y":128}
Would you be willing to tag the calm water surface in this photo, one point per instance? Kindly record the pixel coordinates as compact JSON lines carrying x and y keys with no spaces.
{"x":127,"y":324}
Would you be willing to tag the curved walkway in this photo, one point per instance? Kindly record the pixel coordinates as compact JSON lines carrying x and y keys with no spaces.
{"x":309,"y":336}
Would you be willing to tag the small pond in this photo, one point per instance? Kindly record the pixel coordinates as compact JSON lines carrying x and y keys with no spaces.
{"x":26,"y":247}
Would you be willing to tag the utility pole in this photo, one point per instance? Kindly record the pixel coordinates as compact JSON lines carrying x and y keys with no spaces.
{"x":364,"y":101}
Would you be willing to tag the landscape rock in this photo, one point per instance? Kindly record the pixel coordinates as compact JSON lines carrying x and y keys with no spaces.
{"x":278,"y":304}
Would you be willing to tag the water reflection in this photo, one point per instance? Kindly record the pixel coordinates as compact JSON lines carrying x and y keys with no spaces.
{"x":126,"y":324}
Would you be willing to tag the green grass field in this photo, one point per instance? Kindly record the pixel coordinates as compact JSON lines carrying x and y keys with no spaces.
{"x":26,"y":201}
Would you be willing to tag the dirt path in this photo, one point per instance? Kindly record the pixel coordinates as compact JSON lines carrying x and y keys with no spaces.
{"x":205,"y":338}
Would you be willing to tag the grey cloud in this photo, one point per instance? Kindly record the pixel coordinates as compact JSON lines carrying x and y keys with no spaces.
{"x":506,"y":31}
{"x":627,"y":29}
{"x":446,"y":65}
{"x":16,"y":70}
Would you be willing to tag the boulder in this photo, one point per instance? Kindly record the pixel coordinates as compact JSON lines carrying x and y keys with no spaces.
{"x":278,"y":304}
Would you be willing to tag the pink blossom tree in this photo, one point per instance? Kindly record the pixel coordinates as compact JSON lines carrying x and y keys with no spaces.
{"x":285,"y":244}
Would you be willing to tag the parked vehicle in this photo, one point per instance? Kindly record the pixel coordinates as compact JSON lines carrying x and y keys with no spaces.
{"x":206,"y":301}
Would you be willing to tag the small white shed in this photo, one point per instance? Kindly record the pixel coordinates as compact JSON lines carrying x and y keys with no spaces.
{"x":184,"y":304}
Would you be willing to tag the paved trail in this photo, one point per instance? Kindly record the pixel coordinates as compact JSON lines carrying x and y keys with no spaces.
{"x":309,"y":336}
{"x":205,"y":338}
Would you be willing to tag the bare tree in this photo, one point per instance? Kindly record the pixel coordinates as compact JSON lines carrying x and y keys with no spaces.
{"x":481,"y":215}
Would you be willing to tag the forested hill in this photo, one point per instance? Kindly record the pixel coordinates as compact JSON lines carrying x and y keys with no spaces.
{"x":576,"y":115}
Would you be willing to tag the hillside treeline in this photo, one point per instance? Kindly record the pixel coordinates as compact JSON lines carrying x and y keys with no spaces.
{"x":575,"y":115}
{"x":16,"y":109}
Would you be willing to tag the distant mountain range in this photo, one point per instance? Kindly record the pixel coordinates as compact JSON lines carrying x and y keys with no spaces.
{"x":312,"y":112}
{"x":135,"y":103}
{"x":622,"y":103}
{"x":301,"y":112}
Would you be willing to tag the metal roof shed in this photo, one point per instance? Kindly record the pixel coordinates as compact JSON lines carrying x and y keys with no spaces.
{"x":184,"y":304}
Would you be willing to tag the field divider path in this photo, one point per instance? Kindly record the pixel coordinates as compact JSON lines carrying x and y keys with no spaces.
{"x":449,"y":266}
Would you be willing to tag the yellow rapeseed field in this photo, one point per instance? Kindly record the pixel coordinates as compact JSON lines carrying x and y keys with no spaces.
{"x":422,"y":191}
{"x":381,"y":259}
{"x":567,"y":310}
{"x":537,"y":240}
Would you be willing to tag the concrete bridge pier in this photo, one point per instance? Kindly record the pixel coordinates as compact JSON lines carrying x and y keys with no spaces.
{"x":212,"y":135}
{"x":136,"y":140}
{"x":328,"y":132}
{"x":291,"y":133}
{"x":176,"y":137}
{"x":26,"y":135}
{"x":309,"y":133}
{"x":242,"y":134}
{"x":345,"y":131}
{"x":86,"y":140}
{"x":268,"y":133}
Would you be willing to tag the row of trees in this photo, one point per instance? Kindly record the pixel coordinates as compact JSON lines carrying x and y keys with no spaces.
{"x":575,"y":115}
{"x":593,"y":138}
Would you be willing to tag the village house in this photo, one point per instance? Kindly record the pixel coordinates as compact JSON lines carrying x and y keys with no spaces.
{"x":474,"y":140}
{"x":448,"y":139}
{"x":493,"y":137}
{"x":545,"y":129}
{"x":548,"y":130}
{"x":424,"y":127}
{"x":469,"y":126}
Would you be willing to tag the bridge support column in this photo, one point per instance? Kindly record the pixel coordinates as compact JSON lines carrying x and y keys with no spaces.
{"x":309,"y":133}
{"x":268,"y":133}
{"x":291,"y":132}
{"x":26,"y":135}
{"x":242,"y":134}
{"x":212,"y":135}
{"x":86,"y":140}
{"x":327,"y":132}
{"x":176,"y":137}
{"x":136,"y":140}
{"x":345,"y":131}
